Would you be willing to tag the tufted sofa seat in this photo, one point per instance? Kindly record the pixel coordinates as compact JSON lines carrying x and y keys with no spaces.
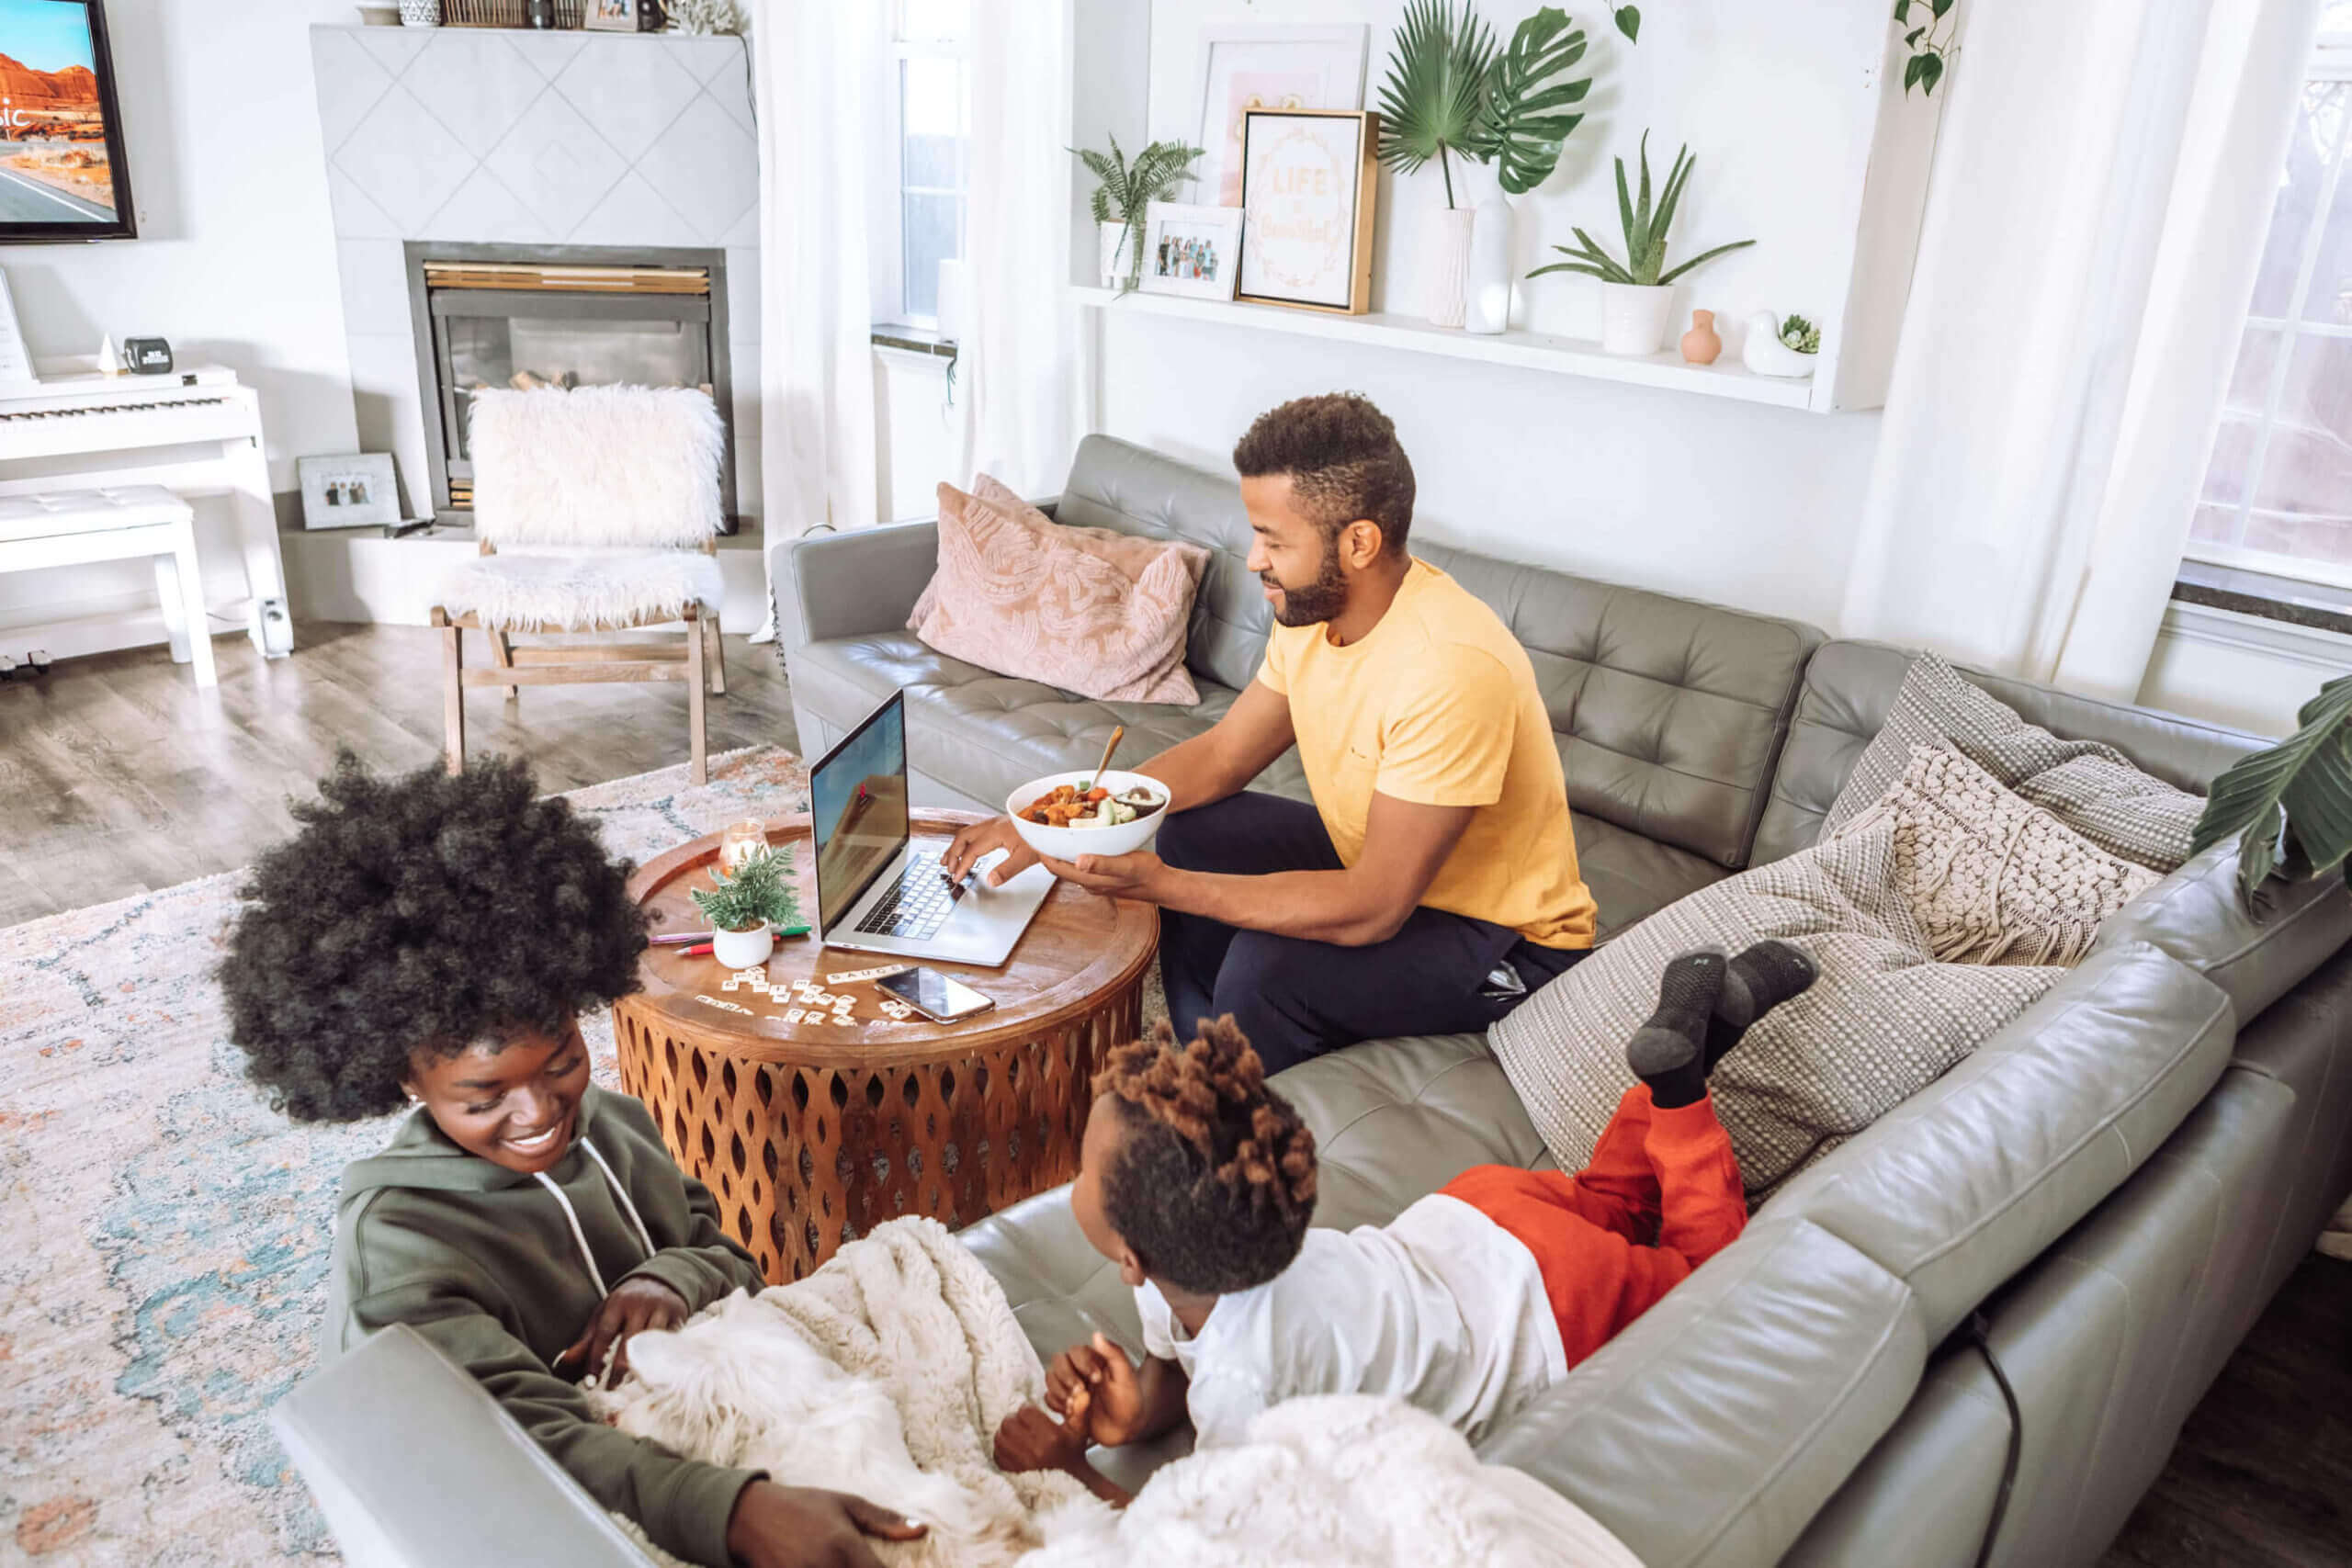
{"x":2116,"y":1181}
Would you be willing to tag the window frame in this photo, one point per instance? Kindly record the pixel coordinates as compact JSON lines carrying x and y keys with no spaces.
{"x":2331,"y":60}
{"x":889,"y":273}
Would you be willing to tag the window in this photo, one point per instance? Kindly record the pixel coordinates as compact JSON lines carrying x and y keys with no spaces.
{"x":2277,"y":491}
{"x":930,"y":83}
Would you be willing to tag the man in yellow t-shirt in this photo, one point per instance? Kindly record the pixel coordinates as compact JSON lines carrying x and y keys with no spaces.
{"x":1433,"y":883}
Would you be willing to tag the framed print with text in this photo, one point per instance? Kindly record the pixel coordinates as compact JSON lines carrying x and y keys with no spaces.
{"x":1307,"y":185}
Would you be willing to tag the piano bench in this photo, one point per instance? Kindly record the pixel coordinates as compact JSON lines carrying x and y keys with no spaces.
{"x":74,"y":527}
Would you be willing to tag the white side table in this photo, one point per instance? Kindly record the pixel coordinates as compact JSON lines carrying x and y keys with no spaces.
{"x":74,"y":526}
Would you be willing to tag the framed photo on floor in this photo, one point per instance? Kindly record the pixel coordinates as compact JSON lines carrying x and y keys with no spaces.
{"x":348,"y":491}
{"x":1307,"y":185}
{"x":1244,"y":66}
{"x":1194,"y":252}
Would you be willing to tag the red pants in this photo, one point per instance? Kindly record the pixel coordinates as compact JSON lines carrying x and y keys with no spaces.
{"x":1661,"y":1196}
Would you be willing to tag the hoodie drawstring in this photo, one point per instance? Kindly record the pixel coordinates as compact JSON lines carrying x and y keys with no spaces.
{"x":572,"y":1215}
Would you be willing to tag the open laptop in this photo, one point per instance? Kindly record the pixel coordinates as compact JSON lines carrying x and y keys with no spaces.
{"x":876,"y":891}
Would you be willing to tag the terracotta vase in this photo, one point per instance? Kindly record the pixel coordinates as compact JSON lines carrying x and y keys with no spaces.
{"x":1699,"y":345}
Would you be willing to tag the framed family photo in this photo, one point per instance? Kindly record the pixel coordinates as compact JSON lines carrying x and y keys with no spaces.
{"x":1244,"y":66}
{"x":1308,"y":185}
{"x":620,"y":15}
{"x":348,"y":491}
{"x":1191,"y":251}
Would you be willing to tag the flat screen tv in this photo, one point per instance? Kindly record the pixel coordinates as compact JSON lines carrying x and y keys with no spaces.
{"x":62,"y":170}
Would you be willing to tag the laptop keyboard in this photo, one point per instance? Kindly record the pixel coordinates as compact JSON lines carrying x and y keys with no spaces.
{"x":916,"y":908}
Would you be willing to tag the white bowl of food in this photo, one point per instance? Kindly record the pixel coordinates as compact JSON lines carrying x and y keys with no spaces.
{"x":1080,"y":813}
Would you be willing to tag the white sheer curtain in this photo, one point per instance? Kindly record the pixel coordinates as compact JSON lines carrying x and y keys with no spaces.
{"x":819,"y":69}
{"x":1019,"y":388}
{"x":2100,"y":194}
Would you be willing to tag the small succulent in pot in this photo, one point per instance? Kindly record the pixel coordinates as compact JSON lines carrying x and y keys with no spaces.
{"x":1800,"y":334}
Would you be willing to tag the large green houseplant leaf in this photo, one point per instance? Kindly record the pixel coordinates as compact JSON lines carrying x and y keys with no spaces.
{"x":2290,"y":806}
{"x":1525,"y":122}
{"x":1436,"y":88}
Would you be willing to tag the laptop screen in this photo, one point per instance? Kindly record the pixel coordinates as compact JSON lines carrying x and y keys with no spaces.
{"x":858,"y":799}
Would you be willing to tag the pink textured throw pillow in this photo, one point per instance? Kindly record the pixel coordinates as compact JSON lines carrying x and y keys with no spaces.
{"x":1089,"y":610}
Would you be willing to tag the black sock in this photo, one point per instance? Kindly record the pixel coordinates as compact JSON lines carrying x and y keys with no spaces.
{"x":1755,"y":982}
{"x":1668,"y":1053}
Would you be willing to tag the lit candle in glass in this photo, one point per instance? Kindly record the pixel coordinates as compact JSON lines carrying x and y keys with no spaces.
{"x":742,"y":841}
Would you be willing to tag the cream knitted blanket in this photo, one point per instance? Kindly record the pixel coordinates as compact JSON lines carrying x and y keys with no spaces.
{"x":887,"y":1372}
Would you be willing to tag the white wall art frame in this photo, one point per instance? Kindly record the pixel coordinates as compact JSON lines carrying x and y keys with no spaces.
{"x":1243,"y":66}
{"x":1190,"y":251}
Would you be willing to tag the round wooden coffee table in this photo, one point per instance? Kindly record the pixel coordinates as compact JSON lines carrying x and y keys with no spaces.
{"x":811,"y":1133}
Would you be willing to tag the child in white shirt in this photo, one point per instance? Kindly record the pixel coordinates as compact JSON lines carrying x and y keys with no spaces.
{"x":1199,"y":1181}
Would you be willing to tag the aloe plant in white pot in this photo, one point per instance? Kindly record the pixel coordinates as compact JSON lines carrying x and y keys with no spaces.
{"x":1637,"y":293}
{"x":1123,"y":196}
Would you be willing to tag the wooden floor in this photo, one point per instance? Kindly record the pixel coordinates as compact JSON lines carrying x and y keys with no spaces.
{"x":117,"y":775}
{"x":2262,"y":1475}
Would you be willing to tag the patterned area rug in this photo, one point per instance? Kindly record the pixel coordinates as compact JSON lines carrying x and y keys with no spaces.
{"x":166,"y":1233}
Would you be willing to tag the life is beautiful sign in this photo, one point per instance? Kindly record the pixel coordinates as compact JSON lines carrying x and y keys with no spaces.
{"x":1308,"y":185}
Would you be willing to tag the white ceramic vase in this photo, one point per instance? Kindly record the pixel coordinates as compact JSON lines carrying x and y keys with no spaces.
{"x":1445,"y":266}
{"x":1487,"y":302}
{"x":1634,"y":317}
{"x":1765,"y":353}
{"x":743,"y":950}
{"x":1113,"y":241}
{"x":421,"y":13}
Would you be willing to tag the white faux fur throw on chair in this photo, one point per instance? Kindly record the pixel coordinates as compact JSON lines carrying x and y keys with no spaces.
{"x":887,"y":1372}
{"x":633,"y":468}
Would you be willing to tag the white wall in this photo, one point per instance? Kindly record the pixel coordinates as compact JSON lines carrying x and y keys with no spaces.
{"x":1753,"y":506}
{"x":234,"y":263}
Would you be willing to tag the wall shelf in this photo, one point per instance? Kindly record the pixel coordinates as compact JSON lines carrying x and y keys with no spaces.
{"x":1526,"y":350}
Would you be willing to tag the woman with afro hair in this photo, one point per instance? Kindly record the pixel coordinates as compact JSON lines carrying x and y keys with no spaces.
{"x":1198,"y":1180}
{"x":432,"y":940}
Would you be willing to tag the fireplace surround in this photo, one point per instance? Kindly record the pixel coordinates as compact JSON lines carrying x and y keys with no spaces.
{"x":561,"y":315}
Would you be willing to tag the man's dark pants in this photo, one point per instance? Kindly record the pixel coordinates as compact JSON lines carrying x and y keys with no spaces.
{"x":1295,"y":997}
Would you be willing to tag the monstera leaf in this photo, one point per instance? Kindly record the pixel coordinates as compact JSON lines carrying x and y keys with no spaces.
{"x":2291,"y":806}
{"x":1525,"y":123}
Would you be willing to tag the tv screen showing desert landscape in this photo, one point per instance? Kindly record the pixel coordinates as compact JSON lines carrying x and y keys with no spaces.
{"x":56,"y":167}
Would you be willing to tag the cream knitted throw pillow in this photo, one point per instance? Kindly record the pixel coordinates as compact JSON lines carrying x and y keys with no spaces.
{"x":1991,"y":878}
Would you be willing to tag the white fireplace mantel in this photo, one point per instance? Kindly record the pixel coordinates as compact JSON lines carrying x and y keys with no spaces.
{"x":491,"y":136}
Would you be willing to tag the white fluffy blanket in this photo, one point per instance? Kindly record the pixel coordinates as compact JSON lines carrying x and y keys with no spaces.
{"x":887,"y":1372}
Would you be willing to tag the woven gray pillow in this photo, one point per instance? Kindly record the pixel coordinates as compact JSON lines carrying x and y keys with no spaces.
{"x":1880,"y":1023}
{"x":2091,"y":787}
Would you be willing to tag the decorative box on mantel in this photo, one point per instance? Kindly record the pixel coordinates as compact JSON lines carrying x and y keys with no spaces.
{"x":621,"y":147}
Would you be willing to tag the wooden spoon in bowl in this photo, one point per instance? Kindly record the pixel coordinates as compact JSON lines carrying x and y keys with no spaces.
{"x":1118,"y":733}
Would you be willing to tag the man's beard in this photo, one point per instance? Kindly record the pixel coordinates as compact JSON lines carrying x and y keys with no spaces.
{"x":1318,"y":600}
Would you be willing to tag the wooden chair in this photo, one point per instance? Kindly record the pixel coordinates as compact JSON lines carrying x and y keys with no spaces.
{"x":606,"y":503}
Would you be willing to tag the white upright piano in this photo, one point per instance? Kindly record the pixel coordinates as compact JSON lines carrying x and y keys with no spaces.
{"x":195,"y":432}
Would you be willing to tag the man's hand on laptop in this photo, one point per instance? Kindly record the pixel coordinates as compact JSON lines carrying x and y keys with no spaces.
{"x":980,"y":839}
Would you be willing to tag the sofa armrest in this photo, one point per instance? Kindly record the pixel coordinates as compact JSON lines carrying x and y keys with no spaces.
{"x":1719,"y":1422}
{"x":414,"y":1463}
{"x":862,"y":581}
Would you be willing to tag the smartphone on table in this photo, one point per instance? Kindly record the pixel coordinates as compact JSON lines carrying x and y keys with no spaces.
{"x":939,"y":998}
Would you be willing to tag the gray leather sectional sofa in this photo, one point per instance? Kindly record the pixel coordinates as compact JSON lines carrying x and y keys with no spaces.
{"x":2113,"y":1187}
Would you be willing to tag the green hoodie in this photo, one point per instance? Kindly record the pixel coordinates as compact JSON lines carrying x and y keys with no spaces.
{"x":485,"y":1263}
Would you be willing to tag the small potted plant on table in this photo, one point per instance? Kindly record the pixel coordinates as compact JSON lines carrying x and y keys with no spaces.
{"x":745,"y":908}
